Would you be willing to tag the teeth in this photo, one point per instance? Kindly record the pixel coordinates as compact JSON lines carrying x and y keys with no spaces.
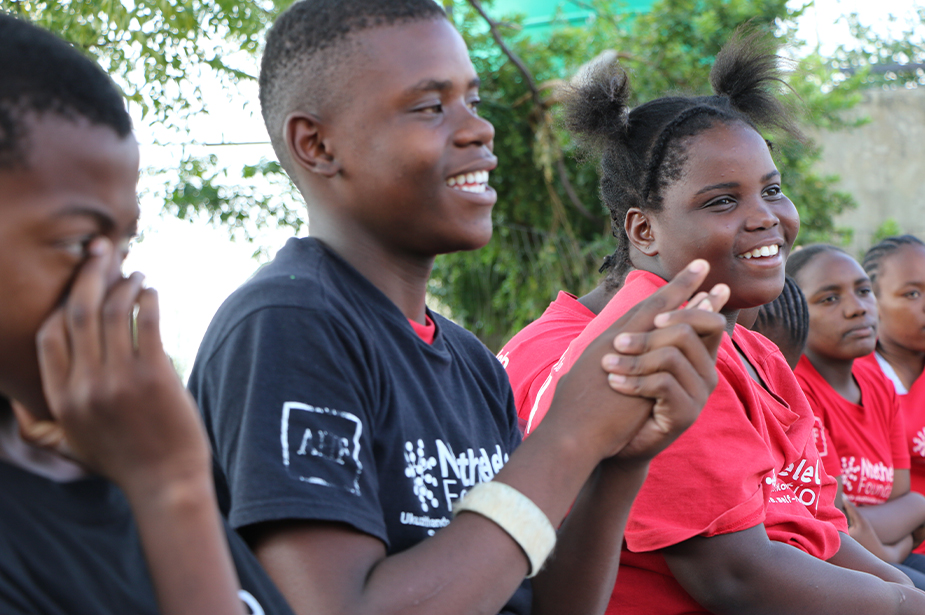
{"x":762,"y":251}
{"x":469,"y":182}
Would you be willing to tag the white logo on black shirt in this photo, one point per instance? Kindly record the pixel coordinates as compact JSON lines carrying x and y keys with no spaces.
{"x":322,"y":446}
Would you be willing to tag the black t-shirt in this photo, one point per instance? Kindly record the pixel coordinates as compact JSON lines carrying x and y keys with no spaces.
{"x":322,"y":403}
{"x":73,"y":547}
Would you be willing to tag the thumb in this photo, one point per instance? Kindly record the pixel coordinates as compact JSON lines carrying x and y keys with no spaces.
{"x":44,"y":434}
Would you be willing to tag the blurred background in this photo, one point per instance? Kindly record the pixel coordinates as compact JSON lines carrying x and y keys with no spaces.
{"x":215,"y":204}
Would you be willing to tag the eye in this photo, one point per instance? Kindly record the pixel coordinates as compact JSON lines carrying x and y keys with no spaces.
{"x":474,"y":104}
{"x":912,"y":294}
{"x":433,"y":109}
{"x":722,"y":203}
{"x":76,"y":246}
{"x":864,"y":291}
{"x":772,"y":191}
{"x":828,"y":299}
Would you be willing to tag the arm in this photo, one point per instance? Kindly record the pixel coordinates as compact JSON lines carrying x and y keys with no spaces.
{"x":902,"y":514}
{"x":746,"y":573}
{"x":121,"y":410}
{"x":472,"y":565}
{"x":860,"y":529}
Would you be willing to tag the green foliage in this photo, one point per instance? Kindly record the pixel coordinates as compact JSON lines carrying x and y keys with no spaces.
{"x":158,"y":50}
{"x":887,"y":62}
{"x":889,"y":228}
{"x":542,"y":243}
{"x":550,"y":234}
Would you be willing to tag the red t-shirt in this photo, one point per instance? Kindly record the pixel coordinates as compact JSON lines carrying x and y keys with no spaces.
{"x":869,"y":439}
{"x":912,"y":405}
{"x":530,"y":354}
{"x":749,"y":458}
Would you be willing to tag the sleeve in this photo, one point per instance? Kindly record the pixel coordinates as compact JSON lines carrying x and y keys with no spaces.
{"x":898,"y":442}
{"x":710,"y":481}
{"x":831,"y":460}
{"x":288,"y":399}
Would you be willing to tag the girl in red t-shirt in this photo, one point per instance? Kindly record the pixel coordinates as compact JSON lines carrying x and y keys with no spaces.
{"x":737,"y":515}
{"x":857,"y":405}
{"x":896,"y":267}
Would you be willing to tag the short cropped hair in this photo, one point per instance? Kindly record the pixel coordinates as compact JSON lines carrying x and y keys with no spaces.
{"x":306,"y":45}
{"x":40,"y":73}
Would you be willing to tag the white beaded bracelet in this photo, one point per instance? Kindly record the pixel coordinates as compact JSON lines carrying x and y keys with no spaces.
{"x":517,"y":515}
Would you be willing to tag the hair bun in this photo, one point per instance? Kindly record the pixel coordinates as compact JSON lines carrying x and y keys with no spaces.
{"x":747,"y":72}
{"x":596,"y":106}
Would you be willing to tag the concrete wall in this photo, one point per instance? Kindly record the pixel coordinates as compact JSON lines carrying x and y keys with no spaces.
{"x":882,"y":164}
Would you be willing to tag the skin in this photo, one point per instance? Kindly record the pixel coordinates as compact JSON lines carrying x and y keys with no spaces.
{"x":80,"y":384}
{"x":374,"y":173}
{"x":900,"y":291}
{"x":842,"y":328}
{"x":728,"y":201}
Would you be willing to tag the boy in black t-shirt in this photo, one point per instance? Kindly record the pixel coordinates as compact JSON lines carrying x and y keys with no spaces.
{"x":150,"y":538}
{"x":351,"y":422}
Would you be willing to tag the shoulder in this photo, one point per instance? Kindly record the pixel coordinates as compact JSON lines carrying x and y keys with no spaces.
{"x":875,"y":386}
{"x":304,"y":290}
{"x":467,"y":347}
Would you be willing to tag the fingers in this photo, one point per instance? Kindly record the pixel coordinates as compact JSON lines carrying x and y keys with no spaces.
{"x":148,"y":325}
{"x":83,"y":305}
{"x":712,"y":301}
{"x":47,"y":435}
{"x":669,"y":394}
{"x":695,"y":333}
{"x":667,"y":298}
{"x":695,"y":375}
{"x":117,"y":311}
{"x":54,"y":357}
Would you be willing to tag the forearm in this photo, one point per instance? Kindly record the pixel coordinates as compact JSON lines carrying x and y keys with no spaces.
{"x":896,"y":519}
{"x":762,"y":577}
{"x":855,"y":556}
{"x":579,"y":577}
{"x":185,"y":546}
{"x":470,"y":566}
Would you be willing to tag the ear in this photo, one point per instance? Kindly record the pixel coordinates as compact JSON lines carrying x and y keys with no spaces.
{"x":304,"y":134}
{"x":639,"y":230}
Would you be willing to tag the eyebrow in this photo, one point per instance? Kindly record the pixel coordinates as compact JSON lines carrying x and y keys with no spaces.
{"x":435,"y":85}
{"x":726,"y":185}
{"x":104,"y":220}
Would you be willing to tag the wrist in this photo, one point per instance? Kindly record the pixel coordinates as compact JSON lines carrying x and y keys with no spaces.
{"x":175,"y":492}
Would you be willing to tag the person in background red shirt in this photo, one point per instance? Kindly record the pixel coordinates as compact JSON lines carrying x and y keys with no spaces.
{"x":737,"y":515}
{"x":857,"y":405}
{"x":896,"y":267}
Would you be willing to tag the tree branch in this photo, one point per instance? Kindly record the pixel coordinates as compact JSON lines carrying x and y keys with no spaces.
{"x":538,"y":105}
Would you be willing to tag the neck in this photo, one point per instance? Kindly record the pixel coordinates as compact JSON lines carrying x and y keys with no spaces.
{"x":908,"y":364}
{"x":598,"y":298}
{"x":837,"y":372}
{"x":401,"y":276}
{"x":731,"y":317}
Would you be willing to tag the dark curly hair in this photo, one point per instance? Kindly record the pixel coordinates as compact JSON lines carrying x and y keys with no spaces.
{"x":643,"y":150}
{"x":306,"y":45}
{"x":873,"y":259}
{"x":40,"y":73}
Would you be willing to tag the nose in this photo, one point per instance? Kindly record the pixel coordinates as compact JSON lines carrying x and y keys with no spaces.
{"x":474,"y":130}
{"x":761,"y":216}
{"x":854,"y":307}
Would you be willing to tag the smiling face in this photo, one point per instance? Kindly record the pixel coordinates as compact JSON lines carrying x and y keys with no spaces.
{"x":728,"y":208}
{"x":407,"y":155}
{"x":900,"y":289}
{"x":78,"y":183}
{"x":842,"y":308}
